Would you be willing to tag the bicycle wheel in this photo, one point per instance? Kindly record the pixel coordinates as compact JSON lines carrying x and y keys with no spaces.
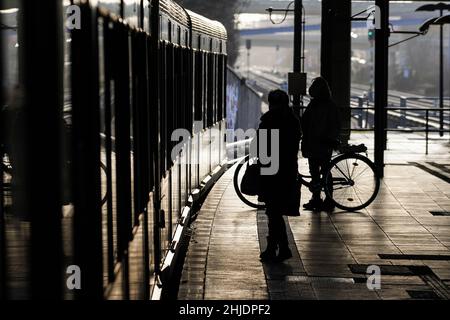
{"x":251,"y":201}
{"x":352,"y":182}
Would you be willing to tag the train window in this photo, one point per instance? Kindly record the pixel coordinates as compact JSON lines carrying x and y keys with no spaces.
{"x":179,"y":35}
{"x":164,"y":28}
{"x":162,"y":106}
{"x":147,"y":15}
{"x":186,"y":38}
{"x":170,"y":110}
{"x":216,"y":83}
{"x":205,"y":87}
{"x":198,"y":89}
{"x":131,"y":11}
{"x":153,"y":112}
{"x":218,"y":90}
{"x":210,"y":91}
{"x":178,"y":69}
{"x":169,"y":31}
{"x":188,"y":89}
{"x":111,"y":5}
{"x":175,"y":39}
{"x":220,"y":97}
{"x":215,"y":88}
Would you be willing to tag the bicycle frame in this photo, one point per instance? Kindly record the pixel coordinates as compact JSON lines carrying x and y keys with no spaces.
{"x":335,"y":156}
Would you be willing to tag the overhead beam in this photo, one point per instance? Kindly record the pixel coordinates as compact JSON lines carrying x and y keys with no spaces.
{"x":336,"y":56}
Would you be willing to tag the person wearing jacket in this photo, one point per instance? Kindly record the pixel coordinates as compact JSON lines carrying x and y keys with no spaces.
{"x":321,"y":127}
{"x":280,"y":191}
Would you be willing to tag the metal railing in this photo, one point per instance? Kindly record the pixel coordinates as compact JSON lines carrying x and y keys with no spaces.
{"x":424,"y":116}
{"x":238,"y":149}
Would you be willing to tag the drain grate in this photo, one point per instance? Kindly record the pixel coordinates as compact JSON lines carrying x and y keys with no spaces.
{"x":423,"y":295}
{"x":431,"y":257}
{"x":388,"y":270}
{"x":360,"y":280}
{"x":440,"y":213}
{"x":424,"y":272}
{"x":308,"y":280}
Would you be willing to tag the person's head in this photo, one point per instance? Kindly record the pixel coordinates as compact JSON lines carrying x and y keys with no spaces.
{"x":320,"y":89}
{"x":278,"y":99}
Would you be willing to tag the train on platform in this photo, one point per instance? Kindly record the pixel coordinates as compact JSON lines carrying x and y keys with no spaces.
{"x":123,"y":76}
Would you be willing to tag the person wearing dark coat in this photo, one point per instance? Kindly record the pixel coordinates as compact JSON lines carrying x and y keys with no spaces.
{"x":321,"y":127}
{"x":281,"y":191}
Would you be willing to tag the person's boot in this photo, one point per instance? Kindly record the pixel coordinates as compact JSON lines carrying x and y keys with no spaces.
{"x":328,"y":205}
{"x":284,"y":254}
{"x":313,"y":205}
{"x":270,"y":253}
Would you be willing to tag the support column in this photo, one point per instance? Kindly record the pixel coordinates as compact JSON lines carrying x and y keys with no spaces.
{"x":298,"y":36}
{"x":40,"y":143}
{"x":336,"y":56}
{"x":86,"y":179}
{"x":381,"y":82}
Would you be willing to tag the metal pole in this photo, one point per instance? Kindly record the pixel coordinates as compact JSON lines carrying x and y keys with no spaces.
{"x":248,"y":63}
{"x":441,"y":78}
{"x":427,"y":129}
{"x":298,"y":34}
{"x":3,"y":254}
{"x":381,"y":83}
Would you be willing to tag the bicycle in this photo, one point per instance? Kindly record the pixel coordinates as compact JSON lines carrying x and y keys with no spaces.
{"x":350,"y":180}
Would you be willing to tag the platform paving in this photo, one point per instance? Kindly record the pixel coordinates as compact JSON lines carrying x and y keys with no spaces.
{"x":397,"y":232}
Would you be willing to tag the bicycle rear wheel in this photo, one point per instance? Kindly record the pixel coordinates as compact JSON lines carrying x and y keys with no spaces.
{"x":352,"y":182}
{"x":251,"y":201}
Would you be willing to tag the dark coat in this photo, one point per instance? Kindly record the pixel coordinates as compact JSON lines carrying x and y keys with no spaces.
{"x":282,"y":190}
{"x":321,"y":126}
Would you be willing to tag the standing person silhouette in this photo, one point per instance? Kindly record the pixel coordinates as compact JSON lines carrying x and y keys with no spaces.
{"x":280,"y":191}
{"x":321,"y":127}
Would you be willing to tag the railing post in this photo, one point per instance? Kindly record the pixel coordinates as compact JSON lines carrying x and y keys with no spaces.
{"x":235,"y":150}
{"x":360,"y":111}
{"x":367,"y":112}
{"x":427,"y":130}
{"x":403,"y":106}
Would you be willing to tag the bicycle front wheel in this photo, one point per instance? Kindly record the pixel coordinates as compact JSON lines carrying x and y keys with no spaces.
{"x":251,"y":201}
{"x":352,"y":182}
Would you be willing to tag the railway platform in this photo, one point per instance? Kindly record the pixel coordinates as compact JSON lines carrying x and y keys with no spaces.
{"x":405,"y":233}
